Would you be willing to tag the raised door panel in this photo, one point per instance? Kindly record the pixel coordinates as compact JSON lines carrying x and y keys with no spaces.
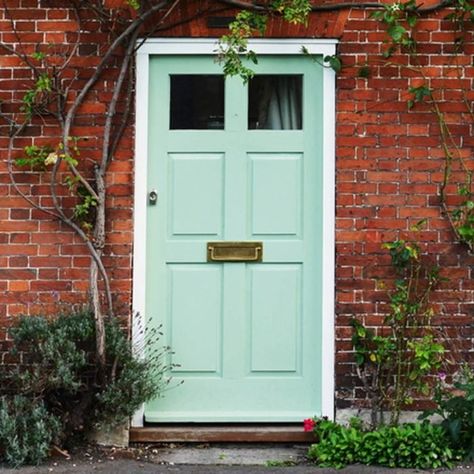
{"x":276,"y":187}
{"x":196,"y":189}
{"x":275,"y":319}
{"x":195,"y":321}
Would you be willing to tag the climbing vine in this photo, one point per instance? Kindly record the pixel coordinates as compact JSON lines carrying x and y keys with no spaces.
{"x":394,"y":363}
{"x":400,"y":20}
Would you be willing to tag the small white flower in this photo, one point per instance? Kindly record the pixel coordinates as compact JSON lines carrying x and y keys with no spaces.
{"x":51,"y":159}
{"x":395,"y":7}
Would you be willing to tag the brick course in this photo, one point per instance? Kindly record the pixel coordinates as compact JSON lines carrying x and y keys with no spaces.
{"x":389,"y":168}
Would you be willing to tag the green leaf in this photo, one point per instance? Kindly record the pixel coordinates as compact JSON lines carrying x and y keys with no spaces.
{"x":364,"y":72}
{"x":412,"y":20}
{"x":334,"y":62}
{"x":397,"y":32}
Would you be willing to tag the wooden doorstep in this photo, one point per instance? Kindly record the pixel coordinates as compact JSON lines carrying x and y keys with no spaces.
{"x":221,"y":434}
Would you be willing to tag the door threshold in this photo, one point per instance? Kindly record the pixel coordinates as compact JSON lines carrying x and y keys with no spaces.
{"x":231,"y":433}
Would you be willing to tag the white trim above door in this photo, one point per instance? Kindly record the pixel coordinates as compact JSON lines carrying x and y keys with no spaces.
{"x":169,"y":46}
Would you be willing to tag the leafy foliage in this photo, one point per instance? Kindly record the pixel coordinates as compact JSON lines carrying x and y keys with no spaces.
{"x":35,"y":157}
{"x":40,"y":91}
{"x":393,"y":365}
{"x":463,"y":215}
{"x":27,"y":430}
{"x":411,"y":445}
{"x":334,"y":62}
{"x":293,"y":11}
{"x":233,"y":52}
{"x":399,"y":18}
{"x":456,"y":408}
{"x":38,"y":158}
{"x":419,"y":94}
{"x":59,"y":378}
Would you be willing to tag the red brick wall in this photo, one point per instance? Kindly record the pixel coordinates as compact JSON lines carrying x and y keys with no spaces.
{"x":389,"y":167}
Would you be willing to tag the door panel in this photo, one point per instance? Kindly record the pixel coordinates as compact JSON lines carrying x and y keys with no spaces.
{"x":275,"y":322}
{"x":195,"y":321}
{"x":276,"y":183}
{"x":196,"y":188}
{"x":246,"y":336}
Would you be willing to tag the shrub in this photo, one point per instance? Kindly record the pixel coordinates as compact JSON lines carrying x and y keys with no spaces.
{"x":64,"y":393}
{"x":411,"y":445}
{"x":27,"y":430}
{"x":456,"y":406}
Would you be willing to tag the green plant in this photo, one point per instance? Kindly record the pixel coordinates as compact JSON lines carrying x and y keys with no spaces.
{"x":393,"y":365}
{"x":37,"y":97}
{"x":233,"y":52}
{"x":59,"y":376}
{"x":337,"y":445}
{"x":27,"y":430}
{"x":399,"y":18}
{"x":463,"y":214}
{"x":412,"y":445}
{"x":455,"y":405}
{"x":35,"y":157}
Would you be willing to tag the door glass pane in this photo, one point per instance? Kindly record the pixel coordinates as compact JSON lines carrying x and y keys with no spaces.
{"x":197,"y":102}
{"x":275,"y":102}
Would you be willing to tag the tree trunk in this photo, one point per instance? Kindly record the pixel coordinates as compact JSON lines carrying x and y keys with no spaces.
{"x":99,"y":243}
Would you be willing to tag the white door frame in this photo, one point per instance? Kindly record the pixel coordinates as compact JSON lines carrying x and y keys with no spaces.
{"x":176,"y":46}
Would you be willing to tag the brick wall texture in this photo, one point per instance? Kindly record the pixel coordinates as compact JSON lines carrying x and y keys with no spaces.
{"x":389,"y":166}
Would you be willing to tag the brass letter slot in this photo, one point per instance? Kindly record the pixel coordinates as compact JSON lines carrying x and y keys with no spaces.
{"x":234,"y":251}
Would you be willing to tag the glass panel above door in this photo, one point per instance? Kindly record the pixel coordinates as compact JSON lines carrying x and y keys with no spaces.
{"x":275,"y":102}
{"x":197,"y":102}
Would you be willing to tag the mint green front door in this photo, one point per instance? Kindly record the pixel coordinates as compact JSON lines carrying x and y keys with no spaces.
{"x":246,"y":334}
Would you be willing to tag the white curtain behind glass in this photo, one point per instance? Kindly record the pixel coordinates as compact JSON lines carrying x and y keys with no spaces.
{"x":279,"y":106}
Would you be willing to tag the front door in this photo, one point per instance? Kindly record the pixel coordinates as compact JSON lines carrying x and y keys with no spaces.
{"x":239,"y":164}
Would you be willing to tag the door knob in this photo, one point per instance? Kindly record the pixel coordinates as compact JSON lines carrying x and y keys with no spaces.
{"x":152,"y":197}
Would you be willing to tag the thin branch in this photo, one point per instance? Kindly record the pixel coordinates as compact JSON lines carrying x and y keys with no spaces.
{"x":12,"y":175}
{"x":126,"y":113}
{"x":160,"y":23}
{"x":137,"y":23}
{"x":69,"y":222}
{"x":113,"y":102}
{"x":24,"y":57}
{"x":11,"y":122}
{"x":76,"y":44}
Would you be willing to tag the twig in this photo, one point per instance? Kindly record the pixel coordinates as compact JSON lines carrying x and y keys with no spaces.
{"x":12,"y":175}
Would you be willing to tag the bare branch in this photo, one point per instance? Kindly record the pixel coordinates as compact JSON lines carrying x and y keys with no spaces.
{"x":22,"y":56}
{"x":137,"y":23}
{"x":113,"y":102}
{"x":76,"y":43}
{"x":126,"y":114}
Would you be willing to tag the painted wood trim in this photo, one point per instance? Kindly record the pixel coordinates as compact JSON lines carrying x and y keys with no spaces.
{"x":140,"y":212}
{"x":329,"y":245}
{"x":209,"y":46}
{"x":224,"y":434}
{"x":177,"y":46}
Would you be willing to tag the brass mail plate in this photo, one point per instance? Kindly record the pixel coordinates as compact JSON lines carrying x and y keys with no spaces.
{"x":234,"y":251}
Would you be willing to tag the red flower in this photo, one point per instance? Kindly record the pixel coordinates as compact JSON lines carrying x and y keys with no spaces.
{"x":309,"y":424}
